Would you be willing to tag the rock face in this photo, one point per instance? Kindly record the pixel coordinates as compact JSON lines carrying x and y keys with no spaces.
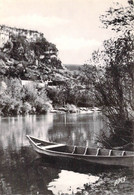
{"x":27,"y":54}
{"x":6,"y":32}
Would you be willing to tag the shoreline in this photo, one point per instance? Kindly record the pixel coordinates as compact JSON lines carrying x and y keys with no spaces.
{"x":79,"y":110}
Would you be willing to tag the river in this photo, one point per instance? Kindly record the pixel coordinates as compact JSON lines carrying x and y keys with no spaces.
{"x":23,"y":172}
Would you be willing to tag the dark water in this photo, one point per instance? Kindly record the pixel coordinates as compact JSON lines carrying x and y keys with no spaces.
{"x":23,"y":172}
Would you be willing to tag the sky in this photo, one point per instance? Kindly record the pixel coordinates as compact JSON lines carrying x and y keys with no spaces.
{"x":72,"y":25}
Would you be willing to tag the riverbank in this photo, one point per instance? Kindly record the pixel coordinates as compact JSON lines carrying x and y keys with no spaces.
{"x":76,"y":110}
{"x":26,"y":108}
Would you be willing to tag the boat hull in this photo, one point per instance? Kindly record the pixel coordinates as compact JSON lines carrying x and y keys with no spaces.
{"x":127,"y":161}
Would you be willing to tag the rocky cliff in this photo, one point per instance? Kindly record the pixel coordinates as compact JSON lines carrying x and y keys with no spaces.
{"x":28,"y":55}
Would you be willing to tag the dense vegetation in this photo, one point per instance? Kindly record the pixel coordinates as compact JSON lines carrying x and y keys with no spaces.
{"x":23,"y":59}
{"x":18,"y":99}
{"x":111,"y":74}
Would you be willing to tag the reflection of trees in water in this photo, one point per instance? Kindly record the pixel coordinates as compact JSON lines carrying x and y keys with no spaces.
{"x":25,"y":177}
{"x":76,"y":129}
{"x":14,"y":129}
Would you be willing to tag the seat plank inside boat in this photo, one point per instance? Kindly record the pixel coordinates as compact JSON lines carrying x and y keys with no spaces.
{"x":63,"y":148}
{"x":53,"y":146}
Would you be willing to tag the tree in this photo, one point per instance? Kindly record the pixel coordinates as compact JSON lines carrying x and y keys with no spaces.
{"x":119,"y":18}
{"x":112,"y":76}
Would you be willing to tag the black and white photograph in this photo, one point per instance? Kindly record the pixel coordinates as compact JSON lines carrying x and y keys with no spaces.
{"x":66,"y":97}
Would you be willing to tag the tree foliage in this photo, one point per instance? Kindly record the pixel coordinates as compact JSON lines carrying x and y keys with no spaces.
{"x":18,"y":99}
{"x":71,"y":92}
{"x":111,"y":74}
{"x":119,"y":18}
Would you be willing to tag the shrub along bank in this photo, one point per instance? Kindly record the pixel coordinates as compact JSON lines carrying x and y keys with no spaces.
{"x":28,"y":99}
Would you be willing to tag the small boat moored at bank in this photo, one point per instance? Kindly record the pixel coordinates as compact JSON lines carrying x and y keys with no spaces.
{"x":91,"y":155}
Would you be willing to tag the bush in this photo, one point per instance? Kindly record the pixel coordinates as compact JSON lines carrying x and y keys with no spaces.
{"x":71,"y":108}
{"x":47,"y":107}
{"x":9,"y":106}
{"x":26,"y":108}
{"x":42,"y":106}
{"x":29,"y":94}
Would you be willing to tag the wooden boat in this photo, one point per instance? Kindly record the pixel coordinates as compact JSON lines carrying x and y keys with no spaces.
{"x":91,"y":155}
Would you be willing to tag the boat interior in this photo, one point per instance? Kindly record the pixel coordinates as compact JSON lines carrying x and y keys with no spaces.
{"x":90,"y":151}
{"x":80,"y":150}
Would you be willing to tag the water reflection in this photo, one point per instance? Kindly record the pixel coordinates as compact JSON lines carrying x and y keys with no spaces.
{"x":13,"y":130}
{"x":22,"y":173}
{"x":76,"y":129}
{"x":19,"y":175}
{"x":75,"y":182}
{"x":69,"y":128}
